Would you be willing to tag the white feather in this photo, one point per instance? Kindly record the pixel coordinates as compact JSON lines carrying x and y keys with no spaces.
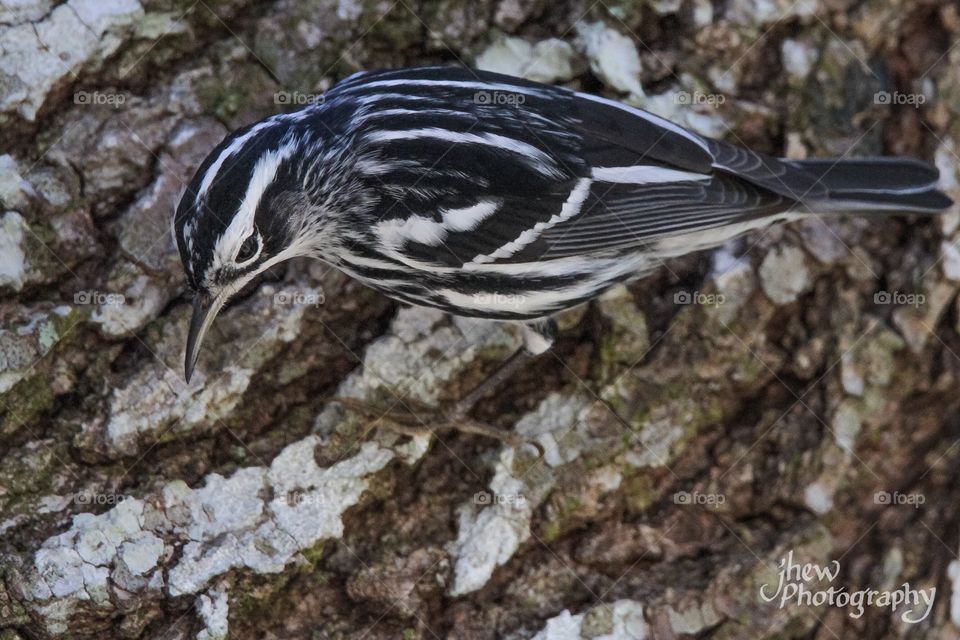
{"x":569,"y":209}
{"x":242,"y":224}
{"x":233,"y":148}
{"x":684,"y":243}
{"x":461,"y":84}
{"x":539,"y":160}
{"x":645,"y":174}
{"x":423,"y":230}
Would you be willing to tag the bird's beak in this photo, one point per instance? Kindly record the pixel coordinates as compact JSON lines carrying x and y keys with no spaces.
{"x":205,"y":308}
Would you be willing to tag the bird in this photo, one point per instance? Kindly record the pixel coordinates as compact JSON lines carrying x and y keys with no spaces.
{"x":489,"y":196}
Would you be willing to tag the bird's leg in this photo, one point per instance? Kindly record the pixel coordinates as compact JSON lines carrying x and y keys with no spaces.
{"x":507,"y":368}
{"x":537,"y":338}
{"x":419,"y":422}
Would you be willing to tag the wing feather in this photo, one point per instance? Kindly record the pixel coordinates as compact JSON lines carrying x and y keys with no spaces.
{"x":571,"y":173}
{"x":623,"y":216}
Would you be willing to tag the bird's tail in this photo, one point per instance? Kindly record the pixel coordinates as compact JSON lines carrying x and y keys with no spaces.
{"x":894,"y":185}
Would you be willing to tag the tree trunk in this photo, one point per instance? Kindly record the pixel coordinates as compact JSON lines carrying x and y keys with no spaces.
{"x":789,"y":399}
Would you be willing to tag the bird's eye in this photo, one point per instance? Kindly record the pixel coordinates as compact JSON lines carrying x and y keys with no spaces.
{"x":249,"y":248}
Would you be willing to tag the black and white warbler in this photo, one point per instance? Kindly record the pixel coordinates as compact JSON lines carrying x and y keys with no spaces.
{"x":489,"y":196}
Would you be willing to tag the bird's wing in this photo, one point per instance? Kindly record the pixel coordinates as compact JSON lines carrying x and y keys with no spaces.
{"x":479,"y":167}
{"x":622,"y":216}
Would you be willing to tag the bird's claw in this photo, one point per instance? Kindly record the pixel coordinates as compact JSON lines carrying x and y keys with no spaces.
{"x":430,"y":421}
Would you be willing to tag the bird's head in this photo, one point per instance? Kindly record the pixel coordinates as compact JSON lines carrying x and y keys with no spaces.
{"x":242,"y":213}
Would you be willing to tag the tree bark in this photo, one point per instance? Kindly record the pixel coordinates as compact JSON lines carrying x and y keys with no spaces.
{"x":792,"y":396}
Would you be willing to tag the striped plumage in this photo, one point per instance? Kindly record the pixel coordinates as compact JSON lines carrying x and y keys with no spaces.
{"x":489,"y":196}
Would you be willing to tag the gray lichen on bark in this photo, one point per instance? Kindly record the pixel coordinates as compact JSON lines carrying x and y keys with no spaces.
{"x":779,"y":395}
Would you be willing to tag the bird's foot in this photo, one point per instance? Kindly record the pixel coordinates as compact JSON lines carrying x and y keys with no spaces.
{"x":419,"y":421}
{"x":415,"y":419}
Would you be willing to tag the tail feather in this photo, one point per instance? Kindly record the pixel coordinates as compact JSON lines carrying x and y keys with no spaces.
{"x":896,"y":185}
